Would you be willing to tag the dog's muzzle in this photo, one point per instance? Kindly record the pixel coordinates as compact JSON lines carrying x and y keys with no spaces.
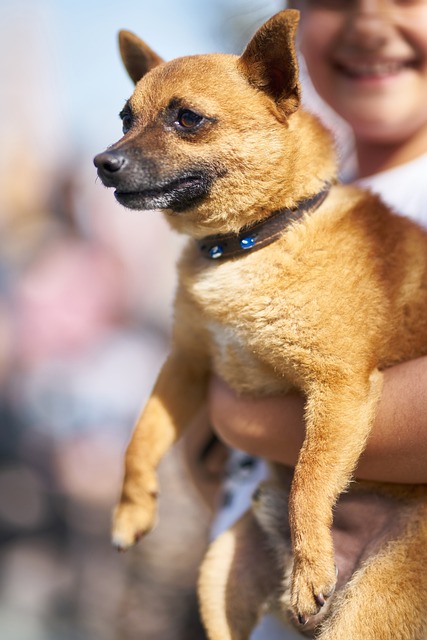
{"x":142,"y":183}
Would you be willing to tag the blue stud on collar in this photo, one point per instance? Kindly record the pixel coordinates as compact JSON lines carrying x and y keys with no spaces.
{"x":216,"y":252}
{"x":248,"y":242}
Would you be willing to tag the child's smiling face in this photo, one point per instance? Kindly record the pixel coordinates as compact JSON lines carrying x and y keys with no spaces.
{"x":368,"y":61}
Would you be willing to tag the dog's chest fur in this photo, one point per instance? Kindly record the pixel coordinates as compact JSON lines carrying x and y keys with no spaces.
{"x":262,"y":313}
{"x":241,"y":315}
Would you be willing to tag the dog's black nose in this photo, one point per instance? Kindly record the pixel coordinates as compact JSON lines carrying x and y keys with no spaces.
{"x":109,"y":162}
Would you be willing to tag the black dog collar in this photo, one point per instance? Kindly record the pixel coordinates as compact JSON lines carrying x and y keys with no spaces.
{"x":260,"y":234}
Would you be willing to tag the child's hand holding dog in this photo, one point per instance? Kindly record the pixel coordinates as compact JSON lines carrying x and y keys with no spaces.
{"x":273,"y":428}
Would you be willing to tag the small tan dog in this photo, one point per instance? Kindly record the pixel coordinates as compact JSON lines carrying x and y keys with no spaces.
{"x":289,"y":280}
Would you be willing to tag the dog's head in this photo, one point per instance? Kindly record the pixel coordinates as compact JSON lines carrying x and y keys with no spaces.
{"x":214,"y":139}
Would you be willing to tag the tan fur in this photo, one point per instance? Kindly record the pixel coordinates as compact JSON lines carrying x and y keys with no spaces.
{"x":341,"y":295}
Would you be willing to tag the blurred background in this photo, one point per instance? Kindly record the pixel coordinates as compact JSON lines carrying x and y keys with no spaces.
{"x":85,"y":303}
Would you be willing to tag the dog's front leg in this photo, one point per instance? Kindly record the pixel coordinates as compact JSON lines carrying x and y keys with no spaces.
{"x":338,"y":421}
{"x":177,"y":395}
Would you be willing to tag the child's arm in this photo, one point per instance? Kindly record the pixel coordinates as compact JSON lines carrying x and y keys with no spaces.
{"x":274,"y":428}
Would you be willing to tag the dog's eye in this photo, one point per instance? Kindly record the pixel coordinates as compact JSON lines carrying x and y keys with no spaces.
{"x":188,"y":119}
{"x":126,"y":118}
{"x":126,"y":122}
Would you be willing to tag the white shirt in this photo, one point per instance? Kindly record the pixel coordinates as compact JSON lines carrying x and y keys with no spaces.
{"x":403,"y":188}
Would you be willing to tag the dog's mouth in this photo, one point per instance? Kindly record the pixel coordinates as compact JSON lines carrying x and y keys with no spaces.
{"x":176,"y":194}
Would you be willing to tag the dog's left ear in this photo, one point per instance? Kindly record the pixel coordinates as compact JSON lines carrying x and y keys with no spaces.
{"x":270,"y":61}
{"x":137,"y":57}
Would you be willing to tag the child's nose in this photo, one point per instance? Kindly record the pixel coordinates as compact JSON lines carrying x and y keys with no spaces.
{"x":369,"y":22}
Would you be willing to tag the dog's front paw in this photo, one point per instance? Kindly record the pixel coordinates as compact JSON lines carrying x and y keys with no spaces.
{"x":132,"y":520}
{"x":312,"y":585}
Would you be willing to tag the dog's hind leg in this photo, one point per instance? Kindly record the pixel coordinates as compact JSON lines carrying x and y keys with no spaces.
{"x":239,"y":578}
{"x":387,"y":597}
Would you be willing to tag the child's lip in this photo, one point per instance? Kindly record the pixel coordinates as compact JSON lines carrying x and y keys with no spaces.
{"x":373,"y":68}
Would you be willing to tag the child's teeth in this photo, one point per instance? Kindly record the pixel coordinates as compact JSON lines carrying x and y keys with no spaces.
{"x":376,"y":69}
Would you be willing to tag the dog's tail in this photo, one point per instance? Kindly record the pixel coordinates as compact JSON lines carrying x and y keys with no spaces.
{"x":238,"y":579}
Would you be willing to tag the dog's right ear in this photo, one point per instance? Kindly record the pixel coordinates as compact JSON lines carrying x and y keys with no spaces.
{"x":137,"y":57}
{"x":270,"y":63}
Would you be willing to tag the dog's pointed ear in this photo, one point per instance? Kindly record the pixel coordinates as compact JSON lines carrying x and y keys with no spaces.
{"x":270,"y":61}
{"x":137,"y":57}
